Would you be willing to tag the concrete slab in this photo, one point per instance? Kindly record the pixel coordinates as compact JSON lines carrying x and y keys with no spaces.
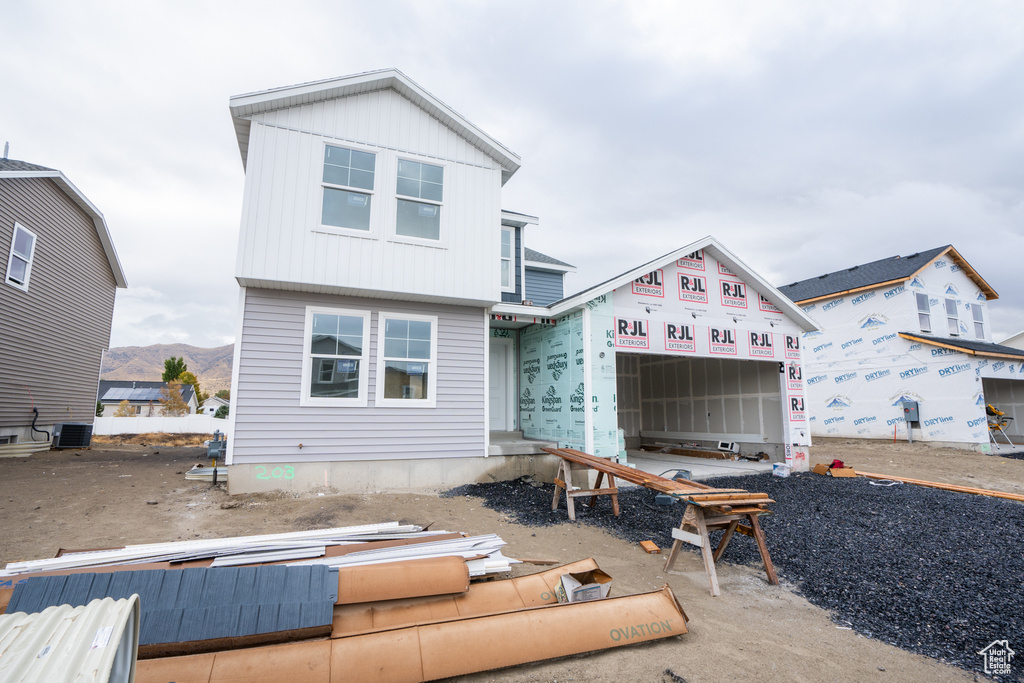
{"x":664,"y":464}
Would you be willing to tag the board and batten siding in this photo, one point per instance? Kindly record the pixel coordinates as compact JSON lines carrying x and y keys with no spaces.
{"x":543,"y":287}
{"x":52,"y":337}
{"x":270,"y":424}
{"x":281,"y":239}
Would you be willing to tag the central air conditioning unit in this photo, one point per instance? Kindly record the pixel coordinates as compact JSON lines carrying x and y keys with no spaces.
{"x":72,"y":435}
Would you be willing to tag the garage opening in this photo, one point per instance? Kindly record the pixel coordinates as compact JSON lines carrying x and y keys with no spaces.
{"x":1007,"y":395}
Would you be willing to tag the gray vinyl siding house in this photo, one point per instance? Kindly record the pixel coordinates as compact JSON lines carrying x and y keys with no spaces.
{"x":56,"y":321}
{"x":272,"y":427}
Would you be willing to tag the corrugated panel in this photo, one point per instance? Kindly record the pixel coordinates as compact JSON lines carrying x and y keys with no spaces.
{"x":280,"y":238}
{"x":68,"y":306}
{"x":543,"y":288}
{"x":197,"y":604}
{"x":270,"y":423}
{"x":94,"y":642}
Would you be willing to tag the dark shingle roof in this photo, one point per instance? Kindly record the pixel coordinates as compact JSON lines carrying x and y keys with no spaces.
{"x":969,"y":346}
{"x":115,"y":391}
{"x":859,"y":277}
{"x":531,"y":255}
{"x":15,"y":165}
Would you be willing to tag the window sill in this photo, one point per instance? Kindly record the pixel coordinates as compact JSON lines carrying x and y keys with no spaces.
{"x":418,"y":241}
{"x":405,"y":403}
{"x":345,"y":232}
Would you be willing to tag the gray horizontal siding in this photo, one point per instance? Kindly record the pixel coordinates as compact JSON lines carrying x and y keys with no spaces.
{"x":52,"y":337}
{"x":270,"y":423}
{"x":543,"y":288}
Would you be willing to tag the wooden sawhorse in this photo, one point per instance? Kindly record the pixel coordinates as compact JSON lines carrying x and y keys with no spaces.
{"x":563,"y":481}
{"x":701,"y":517}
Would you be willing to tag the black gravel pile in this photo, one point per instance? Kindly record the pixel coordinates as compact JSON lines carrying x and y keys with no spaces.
{"x":934,"y":572}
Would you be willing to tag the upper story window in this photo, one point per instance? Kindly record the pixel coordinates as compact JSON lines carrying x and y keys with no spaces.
{"x":924,"y":312}
{"x":952,"y":318}
{"x":19,"y":262}
{"x":979,"y":321}
{"x":508,"y":279}
{"x":348,"y":187}
{"x":420,"y":215}
{"x":407,"y":351}
{"x":335,"y":358}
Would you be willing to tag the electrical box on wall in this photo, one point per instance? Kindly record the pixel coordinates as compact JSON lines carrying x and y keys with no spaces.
{"x":910,"y":413}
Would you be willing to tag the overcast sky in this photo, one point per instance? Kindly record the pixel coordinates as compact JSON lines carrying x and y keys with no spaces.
{"x":805,"y":136}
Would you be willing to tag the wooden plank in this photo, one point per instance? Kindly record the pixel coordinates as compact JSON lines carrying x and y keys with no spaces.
{"x":762,"y":547}
{"x":947,"y":487}
{"x":650,"y":547}
{"x":707,"y":554}
{"x":593,"y":493}
{"x":691,"y":538}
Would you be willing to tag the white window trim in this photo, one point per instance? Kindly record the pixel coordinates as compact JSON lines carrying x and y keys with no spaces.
{"x":979,"y":320}
{"x":926,"y":312}
{"x":511,"y":288}
{"x":431,"y":400}
{"x":31,"y":258}
{"x":375,"y":208}
{"x":955,"y":316}
{"x":442,"y":239}
{"x":307,"y":360}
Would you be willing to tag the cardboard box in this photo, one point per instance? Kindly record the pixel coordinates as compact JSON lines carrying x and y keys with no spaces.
{"x":584,"y":586}
{"x":397,"y":580}
{"x":825,"y":470}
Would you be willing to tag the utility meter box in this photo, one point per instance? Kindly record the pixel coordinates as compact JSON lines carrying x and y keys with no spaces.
{"x":910,"y":411}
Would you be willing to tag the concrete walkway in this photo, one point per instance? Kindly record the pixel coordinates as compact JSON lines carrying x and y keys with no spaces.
{"x":664,"y":464}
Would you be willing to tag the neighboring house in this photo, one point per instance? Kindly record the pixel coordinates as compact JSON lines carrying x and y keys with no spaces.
{"x":1016,"y":341}
{"x":56,"y":302}
{"x":211,"y":405}
{"x":143,"y":397}
{"x":907,"y":328}
{"x":384,"y":326}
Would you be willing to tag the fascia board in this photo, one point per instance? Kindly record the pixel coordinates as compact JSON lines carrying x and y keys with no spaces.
{"x":971,"y":272}
{"x":246,"y":105}
{"x":518,"y":220}
{"x":723,"y":255}
{"x":549,"y":267}
{"x":520,"y":309}
{"x":961,"y":349}
{"x":90,"y":209}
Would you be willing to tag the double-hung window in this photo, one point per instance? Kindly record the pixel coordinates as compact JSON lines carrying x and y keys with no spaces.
{"x":347,"y":188}
{"x":420,"y":191}
{"x":952,"y":318}
{"x":979,"y":321}
{"x":406,"y":360}
{"x":19,"y":262}
{"x":335,"y":359}
{"x":924,"y":312}
{"x":508,"y":277}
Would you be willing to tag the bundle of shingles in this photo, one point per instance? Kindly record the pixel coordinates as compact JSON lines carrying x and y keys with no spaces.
{"x":381,"y":603}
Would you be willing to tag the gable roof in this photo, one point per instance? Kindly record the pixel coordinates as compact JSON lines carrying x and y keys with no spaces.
{"x":532,"y":257}
{"x":969,"y":346}
{"x":12,"y":168}
{"x":244,"y":106}
{"x":133,"y":391}
{"x":710,"y":246}
{"x":879,"y":273}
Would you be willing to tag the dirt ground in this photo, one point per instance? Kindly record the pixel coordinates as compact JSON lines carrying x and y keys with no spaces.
{"x":114,"y":495}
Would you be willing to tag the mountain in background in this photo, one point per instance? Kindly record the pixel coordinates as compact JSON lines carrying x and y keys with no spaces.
{"x":211,"y":366}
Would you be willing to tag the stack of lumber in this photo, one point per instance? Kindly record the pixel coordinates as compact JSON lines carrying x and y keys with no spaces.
{"x":335,"y":547}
